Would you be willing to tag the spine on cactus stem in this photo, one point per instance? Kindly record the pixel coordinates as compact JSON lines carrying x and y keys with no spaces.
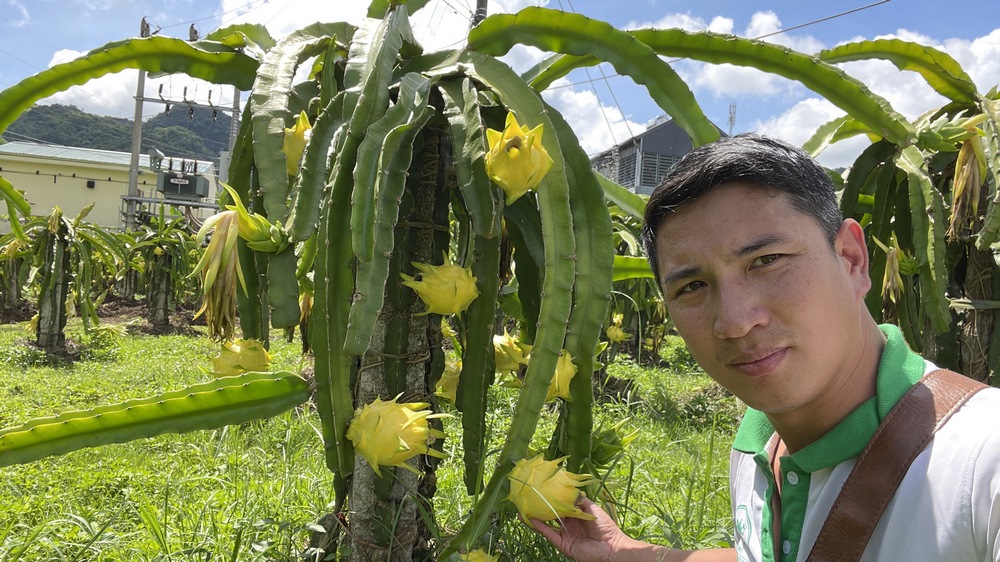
{"x":485,"y":207}
{"x":335,"y":280}
{"x":308,"y":191}
{"x":594,"y":265}
{"x":478,"y":360}
{"x":328,"y":324}
{"x":223,"y":401}
{"x":557,"y":287}
{"x":379,"y":179}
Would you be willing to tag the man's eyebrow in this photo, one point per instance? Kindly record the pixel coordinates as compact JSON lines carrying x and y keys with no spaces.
{"x":759,"y":244}
{"x":680,"y":274}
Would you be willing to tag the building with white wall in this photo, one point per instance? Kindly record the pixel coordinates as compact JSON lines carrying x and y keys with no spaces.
{"x":73,"y":178}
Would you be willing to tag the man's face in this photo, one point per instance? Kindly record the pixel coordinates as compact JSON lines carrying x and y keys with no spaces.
{"x":767,"y":307}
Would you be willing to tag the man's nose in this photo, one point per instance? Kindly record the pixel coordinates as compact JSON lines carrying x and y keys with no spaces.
{"x":738,"y":310}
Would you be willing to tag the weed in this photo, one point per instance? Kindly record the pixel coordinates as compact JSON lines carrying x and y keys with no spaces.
{"x":256,"y":491}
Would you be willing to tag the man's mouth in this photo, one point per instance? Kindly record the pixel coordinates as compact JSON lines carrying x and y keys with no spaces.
{"x":759,"y":362}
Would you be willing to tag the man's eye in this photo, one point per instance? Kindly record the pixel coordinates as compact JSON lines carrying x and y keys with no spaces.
{"x":765,"y":260}
{"x":690,"y":287}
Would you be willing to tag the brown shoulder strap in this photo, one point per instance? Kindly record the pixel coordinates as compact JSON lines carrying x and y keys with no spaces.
{"x":872,"y":482}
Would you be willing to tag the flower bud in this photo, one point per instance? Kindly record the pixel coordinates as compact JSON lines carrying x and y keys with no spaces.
{"x":516,"y":160}
{"x":295,"y":143}
{"x":447,"y":385}
{"x":241,"y":356}
{"x":540,"y":489}
{"x":259,"y":234}
{"x":509,"y":354}
{"x":616,"y":334}
{"x":565,"y":371}
{"x":445,"y":289}
{"x":608,"y":443}
{"x":389,"y":433}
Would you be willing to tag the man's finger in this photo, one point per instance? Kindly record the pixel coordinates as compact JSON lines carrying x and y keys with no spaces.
{"x":549,"y":533}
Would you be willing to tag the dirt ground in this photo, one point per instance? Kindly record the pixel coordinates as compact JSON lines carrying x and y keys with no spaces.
{"x":135,"y":316}
{"x":115,"y":310}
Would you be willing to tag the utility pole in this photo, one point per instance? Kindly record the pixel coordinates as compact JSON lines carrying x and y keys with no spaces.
{"x":480,"y":14}
{"x":234,"y":128}
{"x":732,"y":117}
{"x":133,"y":168}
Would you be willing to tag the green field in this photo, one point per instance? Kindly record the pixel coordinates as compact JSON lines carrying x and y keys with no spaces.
{"x":253,"y":492}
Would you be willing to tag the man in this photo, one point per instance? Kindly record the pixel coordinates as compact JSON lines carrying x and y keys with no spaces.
{"x":765,"y":282}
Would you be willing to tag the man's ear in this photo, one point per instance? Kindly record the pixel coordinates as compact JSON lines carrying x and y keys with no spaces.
{"x":853,"y":253}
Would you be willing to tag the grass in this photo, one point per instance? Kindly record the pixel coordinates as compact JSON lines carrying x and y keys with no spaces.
{"x":252,"y":492}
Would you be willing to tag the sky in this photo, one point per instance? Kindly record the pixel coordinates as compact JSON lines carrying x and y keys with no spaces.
{"x":603,"y":108}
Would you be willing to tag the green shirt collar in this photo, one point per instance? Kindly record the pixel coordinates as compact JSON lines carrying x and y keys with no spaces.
{"x":898,"y":370}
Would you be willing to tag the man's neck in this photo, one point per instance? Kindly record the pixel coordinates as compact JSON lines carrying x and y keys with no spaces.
{"x":846,"y":391}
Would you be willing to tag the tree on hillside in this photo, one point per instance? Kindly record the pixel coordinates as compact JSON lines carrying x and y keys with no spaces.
{"x":68,"y":126}
{"x":176,"y":133}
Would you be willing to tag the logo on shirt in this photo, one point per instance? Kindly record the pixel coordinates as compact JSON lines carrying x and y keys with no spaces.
{"x":744,"y":531}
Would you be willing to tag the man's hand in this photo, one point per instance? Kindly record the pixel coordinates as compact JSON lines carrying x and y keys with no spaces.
{"x":599,"y":540}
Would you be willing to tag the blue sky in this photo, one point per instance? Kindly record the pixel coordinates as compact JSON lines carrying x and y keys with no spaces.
{"x":37,"y":33}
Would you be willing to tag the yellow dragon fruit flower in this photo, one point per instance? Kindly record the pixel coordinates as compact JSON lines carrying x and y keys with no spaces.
{"x":509,"y":354}
{"x":565,"y":371}
{"x":447,"y":385}
{"x":542,"y":490}
{"x":390,"y":433}
{"x":516,"y":160}
{"x":241,"y":356}
{"x":478,"y":555}
{"x":445,"y":289}
{"x":295,"y":143}
{"x":615,"y":332}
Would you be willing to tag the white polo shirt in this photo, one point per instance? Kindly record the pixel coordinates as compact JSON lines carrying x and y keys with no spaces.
{"x":947,"y":507}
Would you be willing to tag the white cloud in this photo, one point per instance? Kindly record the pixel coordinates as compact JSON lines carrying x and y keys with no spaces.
{"x":800,"y":122}
{"x":114,"y":94}
{"x":23,"y":17}
{"x":726,"y":80}
{"x":437,"y":25}
{"x":597,"y":126}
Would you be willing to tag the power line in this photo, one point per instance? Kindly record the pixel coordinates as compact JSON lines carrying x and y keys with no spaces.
{"x":827,"y":18}
{"x":780,"y":31}
{"x":610,"y":90}
{"x":458,"y":11}
{"x":216,"y":15}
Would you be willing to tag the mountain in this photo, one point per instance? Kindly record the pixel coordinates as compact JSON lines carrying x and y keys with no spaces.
{"x":176,"y":133}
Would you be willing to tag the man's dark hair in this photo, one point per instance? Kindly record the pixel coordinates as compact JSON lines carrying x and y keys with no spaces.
{"x":747,"y":158}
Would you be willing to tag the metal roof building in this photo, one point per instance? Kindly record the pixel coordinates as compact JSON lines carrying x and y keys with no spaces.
{"x":641,"y":162}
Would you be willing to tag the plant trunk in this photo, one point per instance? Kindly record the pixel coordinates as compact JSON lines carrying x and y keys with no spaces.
{"x":159,"y":294}
{"x":385,"y":521}
{"x":12,"y":283}
{"x":977,"y":325}
{"x":126,"y":287}
{"x":52,"y":299}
